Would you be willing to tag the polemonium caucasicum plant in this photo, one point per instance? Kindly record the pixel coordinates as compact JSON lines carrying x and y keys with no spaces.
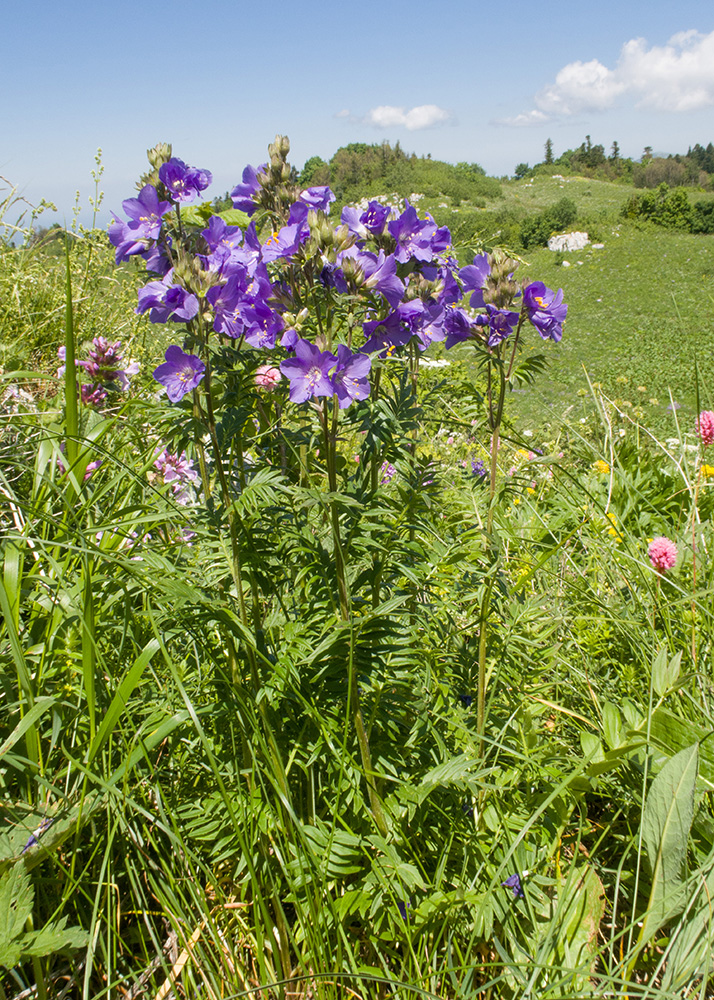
{"x":326,"y":304}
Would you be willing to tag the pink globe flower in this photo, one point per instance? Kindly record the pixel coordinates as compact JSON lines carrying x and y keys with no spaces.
{"x":662,"y":553}
{"x":705,"y":427}
{"x":267,"y":377}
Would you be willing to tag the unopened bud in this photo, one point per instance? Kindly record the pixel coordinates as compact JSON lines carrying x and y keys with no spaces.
{"x":344,"y":239}
{"x":160,"y":154}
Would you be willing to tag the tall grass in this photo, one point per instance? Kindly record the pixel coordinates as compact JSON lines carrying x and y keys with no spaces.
{"x":214,"y":829}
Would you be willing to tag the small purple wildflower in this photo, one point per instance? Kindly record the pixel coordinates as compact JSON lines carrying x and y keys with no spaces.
{"x":350,"y":376}
{"x":500,"y":324}
{"x":180,"y":374}
{"x":474,"y":277}
{"x":178,"y":471}
{"x":546,"y":310}
{"x":93,"y":395}
{"x":513,"y":882}
{"x":308,"y":372}
{"x":387,"y":473}
{"x":403,"y":906}
{"x":34,"y":837}
{"x":478,"y":468}
{"x":318,"y":198}
{"x":243,"y":195}
{"x":413,"y":236}
{"x":183,"y":182}
{"x":167,"y":301}
{"x":145,"y":213}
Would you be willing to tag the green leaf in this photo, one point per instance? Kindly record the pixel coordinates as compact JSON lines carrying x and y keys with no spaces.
{"x":673,"y":734}
{"x":234,"y":217}
{"x":122,"y":695}
{"x":16,"y":944}
{"x":54,"y":937}
{"x":690,"y":950}
{"x":38,"y":709}
{"x":16,"y":897}
{"x":582,"y":899}
{"x":666,"y":822}
{"x":612,"y":725}
{"x":665,"y":673}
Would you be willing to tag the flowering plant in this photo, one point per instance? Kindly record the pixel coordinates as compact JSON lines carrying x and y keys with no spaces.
{"x":329,"y":306}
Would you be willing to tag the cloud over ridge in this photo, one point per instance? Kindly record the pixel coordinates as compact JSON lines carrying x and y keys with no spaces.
{"x":676,"y":77}
{"x":386,"y":116}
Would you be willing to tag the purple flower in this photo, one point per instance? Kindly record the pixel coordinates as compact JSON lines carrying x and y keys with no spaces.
{"x":219,"y":234}
{"x":384,"y":335}
{"x":375,"y":217}
{"x":375,"y":273}
{"x":243,"y":195}
{"x":500,"y":324}
{"x":478,"y":468}
{"x":460,"y":327}
{"x":413,"y":236}
{"x":332,"y":276}
{"x":514,"y":882}
{"x":261,"y":324}
{"x":387,"y":473}
{"x":474,"y":277}
{"x":145,"y":213}
{"x":183,"y":182}
{"x":373,"y":220}
{"x":167,"y":301}
{"x":424,"y":319}
{"x":178,"y":471}
{"x":403,"y":906}
{"x":34,"y":837}
{"x":318,"y":198}
{"x":546,"y":310}
{"x":308,"y":372}
{"x":350,"y":376}
{"x":284,"y":242}
{"x":180,"y":374}
{"x":93,"y":395}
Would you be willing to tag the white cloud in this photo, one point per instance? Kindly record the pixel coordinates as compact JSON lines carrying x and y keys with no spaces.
{"x":524,"y":120}
{"x":675,"y":77}
{"x":423,"y":116}
{"x":580,"y":87}
{"x":345,"y":113}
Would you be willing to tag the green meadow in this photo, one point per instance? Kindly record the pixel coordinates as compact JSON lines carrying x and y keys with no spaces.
{"x":325,"y":675}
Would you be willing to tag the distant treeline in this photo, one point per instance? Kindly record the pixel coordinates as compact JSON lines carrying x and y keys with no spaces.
{"x":695,"y":168}
{"x":359,"y":170}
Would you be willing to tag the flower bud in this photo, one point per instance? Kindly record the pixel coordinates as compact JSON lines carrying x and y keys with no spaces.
{"x":501,"y":288}
{"x":160,"y":154}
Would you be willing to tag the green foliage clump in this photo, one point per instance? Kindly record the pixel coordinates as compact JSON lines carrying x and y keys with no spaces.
{"x":671,"y":209}
{"x":360,"y":169}
{"x":536,"y":230}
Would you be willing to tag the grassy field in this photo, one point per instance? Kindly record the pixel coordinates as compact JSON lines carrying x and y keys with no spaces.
{"x":641,"y":319}
{"x":303,"y":700}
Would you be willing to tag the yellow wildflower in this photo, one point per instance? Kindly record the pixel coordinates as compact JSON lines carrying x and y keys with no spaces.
{"x":613,"y":529}
{"x":601,"y":467}
{"x":708,"y":471}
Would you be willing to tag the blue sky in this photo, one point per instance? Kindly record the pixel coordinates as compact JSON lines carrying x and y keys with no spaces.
{"x":462,"y":80}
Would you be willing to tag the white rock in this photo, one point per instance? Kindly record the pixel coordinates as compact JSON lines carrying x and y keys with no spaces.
{"x":566,"y":263}
{"x":597,"y":246}
{"x":568,"y":241}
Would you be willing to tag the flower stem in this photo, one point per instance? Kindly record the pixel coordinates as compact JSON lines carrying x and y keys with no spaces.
{"x":353,"y":694}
